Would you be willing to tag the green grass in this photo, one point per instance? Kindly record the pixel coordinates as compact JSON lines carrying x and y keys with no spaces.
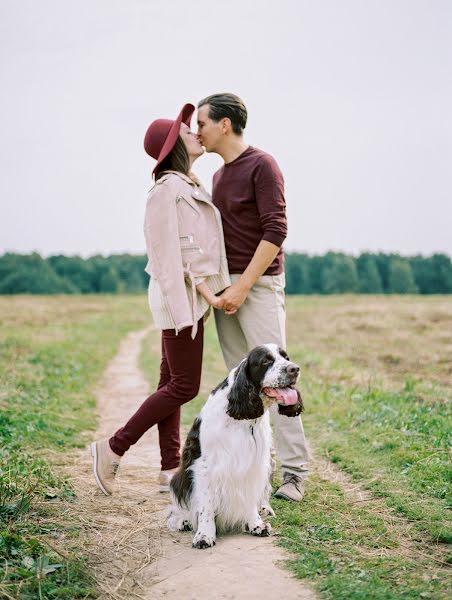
{"x":401,"y":444}
{"x":52,"y":352}
{"x":347,"y":551}
{"x":392,"y":436}
{"x":397,"y":441}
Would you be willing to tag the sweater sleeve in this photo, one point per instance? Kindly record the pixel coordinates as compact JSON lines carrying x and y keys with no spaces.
{"x":161,"y":232}
{"x":270,"y":201}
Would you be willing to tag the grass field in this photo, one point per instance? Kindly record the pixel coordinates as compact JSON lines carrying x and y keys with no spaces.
{"x":378,"y":375}
{"x":52,"y":352}
{"x":377,"y":385}
{"x":376,"y":381}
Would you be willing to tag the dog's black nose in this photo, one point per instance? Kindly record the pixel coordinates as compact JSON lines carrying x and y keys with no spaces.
{"x":292,"y":369}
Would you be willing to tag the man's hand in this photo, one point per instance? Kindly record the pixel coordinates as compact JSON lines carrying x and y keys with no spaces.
{"x":233,"y":297}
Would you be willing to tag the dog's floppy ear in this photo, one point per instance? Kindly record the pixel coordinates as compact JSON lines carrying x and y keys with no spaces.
{"x":292,"y":410}
{"x":243,"y":399}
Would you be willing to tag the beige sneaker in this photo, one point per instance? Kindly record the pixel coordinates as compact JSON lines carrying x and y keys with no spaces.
{"x":105,"y":466}
{"x":292,"y":488}
{"x":165,"y":478}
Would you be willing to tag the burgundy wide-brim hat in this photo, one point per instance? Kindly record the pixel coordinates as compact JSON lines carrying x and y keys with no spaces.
{"x":162,"y":134}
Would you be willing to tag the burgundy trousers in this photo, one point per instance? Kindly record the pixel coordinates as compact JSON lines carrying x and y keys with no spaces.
{"x":180,"y":377}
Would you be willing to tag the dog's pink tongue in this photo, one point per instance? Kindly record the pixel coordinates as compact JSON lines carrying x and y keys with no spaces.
{"x":285,"y":395}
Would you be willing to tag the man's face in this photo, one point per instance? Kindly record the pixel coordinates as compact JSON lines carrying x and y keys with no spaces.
{"x":209,"y":132}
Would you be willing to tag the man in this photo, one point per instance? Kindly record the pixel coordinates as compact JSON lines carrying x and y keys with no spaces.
{"x":248,"y":190}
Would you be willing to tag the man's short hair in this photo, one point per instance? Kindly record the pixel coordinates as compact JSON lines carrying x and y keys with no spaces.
{"x":227,"y":106}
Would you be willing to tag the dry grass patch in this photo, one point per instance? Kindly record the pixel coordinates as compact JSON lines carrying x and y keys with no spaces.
{"x":121,"y":533}
{"x":382,"y":338}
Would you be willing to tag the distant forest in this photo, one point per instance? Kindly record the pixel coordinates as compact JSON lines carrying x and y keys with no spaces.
{"x":332,"y":273}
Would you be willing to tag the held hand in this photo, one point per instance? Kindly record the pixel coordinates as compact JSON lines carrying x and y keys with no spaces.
{"x":233,"y":297}
{"x":205,"y":291}
{"x":217,"y":302}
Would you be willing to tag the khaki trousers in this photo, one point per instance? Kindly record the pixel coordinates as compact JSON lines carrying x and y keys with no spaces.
{"x":260,"y":320}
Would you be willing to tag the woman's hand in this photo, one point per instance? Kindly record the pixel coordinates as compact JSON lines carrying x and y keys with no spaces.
{"x":206,"y":292}
{"x":217,"y":302}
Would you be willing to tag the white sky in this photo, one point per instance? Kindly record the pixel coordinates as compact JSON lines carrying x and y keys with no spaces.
{"x":352,"y":97}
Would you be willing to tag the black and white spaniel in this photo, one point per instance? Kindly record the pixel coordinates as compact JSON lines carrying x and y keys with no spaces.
{"x":223,"y":480}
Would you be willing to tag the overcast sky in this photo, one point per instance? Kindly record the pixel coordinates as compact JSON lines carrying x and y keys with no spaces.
{"x":352,"y":97}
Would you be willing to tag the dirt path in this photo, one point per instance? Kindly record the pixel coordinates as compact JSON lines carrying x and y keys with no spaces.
{"x":132,"y":553}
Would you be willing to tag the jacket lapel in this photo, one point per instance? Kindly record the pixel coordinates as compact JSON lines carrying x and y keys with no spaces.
{"x":190,"y":200}
{"x":199,"y":193}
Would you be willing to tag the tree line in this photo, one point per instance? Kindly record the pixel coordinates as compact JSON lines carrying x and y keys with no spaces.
{"x":331,"y":273}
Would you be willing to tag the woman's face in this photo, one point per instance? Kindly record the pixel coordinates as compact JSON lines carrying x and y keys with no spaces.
{"x":191,"y":142}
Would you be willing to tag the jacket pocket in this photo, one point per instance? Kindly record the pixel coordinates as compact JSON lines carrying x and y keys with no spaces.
{"x":187,"y":247}
{"x":186,"y":240}
{"x":191,"y":250}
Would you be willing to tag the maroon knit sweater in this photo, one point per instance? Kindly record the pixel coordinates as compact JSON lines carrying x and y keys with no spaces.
{"x":249,"y":193}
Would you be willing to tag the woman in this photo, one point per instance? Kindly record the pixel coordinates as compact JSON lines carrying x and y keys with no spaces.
{"x":187,"y":265}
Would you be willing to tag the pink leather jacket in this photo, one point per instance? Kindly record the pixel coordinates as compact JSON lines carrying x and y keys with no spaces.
{"x":184,"y":240}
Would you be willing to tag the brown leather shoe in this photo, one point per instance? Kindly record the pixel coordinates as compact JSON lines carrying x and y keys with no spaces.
{"x":292,"y":488}
{"x":105,"y":466}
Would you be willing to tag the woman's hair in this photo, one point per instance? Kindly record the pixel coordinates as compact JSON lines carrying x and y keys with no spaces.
{"x":227,"y":105}
{"x":177,"y":160}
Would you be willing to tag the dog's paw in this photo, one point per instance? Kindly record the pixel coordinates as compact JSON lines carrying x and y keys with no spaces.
{"x":202,"y":541}
{"x":185,"y":526}
{"x":177,"y":521}
{"x":266,"y":511}
{"x":263,"y":530}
